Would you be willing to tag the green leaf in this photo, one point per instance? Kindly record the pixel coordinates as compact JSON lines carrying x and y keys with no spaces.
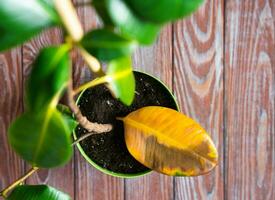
{"x":100,"y":7}
{"x":41,"y":139}
{"x":64,"y":110}
{"x":49,"y":76}
{"x":67,"y":116}
{"x":21,"y":20}
{"x":37,"y":192}
{"x":121,"y":79}
{"x":161,"y":11}
{"x":129,"y":24}
{"x":106,"y":45}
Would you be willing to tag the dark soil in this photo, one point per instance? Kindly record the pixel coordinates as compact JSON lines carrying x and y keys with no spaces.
{"x":97,"y":104}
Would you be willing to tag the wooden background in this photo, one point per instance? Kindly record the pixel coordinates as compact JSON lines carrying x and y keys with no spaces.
{"x":220,"y":63}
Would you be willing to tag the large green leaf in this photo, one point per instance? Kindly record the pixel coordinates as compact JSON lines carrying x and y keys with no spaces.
{"x":37,"y":192}
{"x":129,"y":24}
{"x":121,"y":79}
{"x":42,"y":139}
{"x":49,"y":75}
{"x":20,"y":20}
{"x":160,"y":11}
{"x":107,"y":45}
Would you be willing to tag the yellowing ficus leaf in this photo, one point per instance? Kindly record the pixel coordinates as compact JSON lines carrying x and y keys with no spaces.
{"x":169,"y":142}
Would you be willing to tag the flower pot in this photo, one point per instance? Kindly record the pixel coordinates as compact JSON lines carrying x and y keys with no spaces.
{"x":107,"y":152}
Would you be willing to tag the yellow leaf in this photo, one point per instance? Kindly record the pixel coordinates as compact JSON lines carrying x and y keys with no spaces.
{"x":169,"y":142}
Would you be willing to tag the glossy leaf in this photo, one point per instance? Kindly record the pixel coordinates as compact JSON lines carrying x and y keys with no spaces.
{"x":129,"y":24}
{"x":21,"y":20}
{"x":169,"y":142}
{"x":37,"y":192}
{"x":49,"y":76}
{"x":43,"y":140}
{"x":161,"y":11}
{"x":121,"y":79}
{"x":107,"y":45}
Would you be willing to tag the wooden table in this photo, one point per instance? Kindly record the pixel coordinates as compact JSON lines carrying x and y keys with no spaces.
{"x":220,"y":63}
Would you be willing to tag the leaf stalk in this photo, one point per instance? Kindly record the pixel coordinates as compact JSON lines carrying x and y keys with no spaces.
{"x":5,"y":192}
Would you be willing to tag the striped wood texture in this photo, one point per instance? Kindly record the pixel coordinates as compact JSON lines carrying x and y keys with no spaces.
{"x":220,"y":63}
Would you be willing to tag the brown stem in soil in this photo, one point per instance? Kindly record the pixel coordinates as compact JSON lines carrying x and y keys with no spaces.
{"x":94,"y":127}
{"x":5,"y":192}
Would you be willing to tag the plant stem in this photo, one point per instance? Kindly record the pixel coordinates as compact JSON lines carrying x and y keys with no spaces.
{"x":89,"y":84}
{"x":83,"y":121}
{"x":4,"y":192}
{"x":69,"y":18}
{"x":92,"y":62}
{"x":83,"y":137}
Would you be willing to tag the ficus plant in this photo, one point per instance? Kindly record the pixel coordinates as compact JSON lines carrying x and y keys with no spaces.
{"x":175,"y":144}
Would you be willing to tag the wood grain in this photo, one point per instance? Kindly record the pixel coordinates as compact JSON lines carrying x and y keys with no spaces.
{"x":198,"y":83}
{"x":90,"y":183}
{"x":250,"y":99}
{"x":155,"y":60}
{"x":220,"y":63}
{"x":63,"y":177}
{"x":11,"y":166}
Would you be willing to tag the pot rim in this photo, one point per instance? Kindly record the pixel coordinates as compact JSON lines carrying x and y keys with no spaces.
{"x":109,"y":172}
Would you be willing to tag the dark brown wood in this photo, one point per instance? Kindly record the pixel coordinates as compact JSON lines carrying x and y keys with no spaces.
{"x":155,"y":60}
{"x":90,"y":183}
{"x":63,"y":177}
{"x":250,"y":99}
{"x":198,"y":83}
{"x":11,"y":166}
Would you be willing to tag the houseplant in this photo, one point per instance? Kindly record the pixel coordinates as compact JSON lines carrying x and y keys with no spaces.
{"x":108,"y":152}
{"x":159,"y":138}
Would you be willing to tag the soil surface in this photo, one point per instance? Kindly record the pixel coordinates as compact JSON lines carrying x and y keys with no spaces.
{"x":98,"y":105}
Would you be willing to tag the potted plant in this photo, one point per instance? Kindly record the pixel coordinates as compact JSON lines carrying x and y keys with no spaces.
{"x":124,"y":123}
{"x":108,"y":152}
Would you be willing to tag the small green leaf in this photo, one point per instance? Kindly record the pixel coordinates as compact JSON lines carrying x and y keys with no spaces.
{"x":67,"y":116}
{"x":106,"y":45}
{"x":37,"y":192}
{"x":42,"y":139}
{"x":71,"y":122}
{"x":49,"y":76}
{"x":21,"y":20}
{"x":65,"y":110}
{"x":122,"y":80}
{"x":129,"y":24}
{"x":161,"y":11}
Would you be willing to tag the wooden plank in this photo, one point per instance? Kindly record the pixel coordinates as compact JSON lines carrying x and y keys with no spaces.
{"x":90,"y":183}
{"x":198,"y":83}
{"x":63,"y":177}
{"x":250,"y":98}
{"x":156,"y":60}
{"x":11,"y":166}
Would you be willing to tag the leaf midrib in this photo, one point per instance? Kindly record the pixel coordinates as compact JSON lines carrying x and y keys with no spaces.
{"x":43,"y":133}
{"x":145,"y":127}
{"x":118,"y":75}
{"x":59,"y":54}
